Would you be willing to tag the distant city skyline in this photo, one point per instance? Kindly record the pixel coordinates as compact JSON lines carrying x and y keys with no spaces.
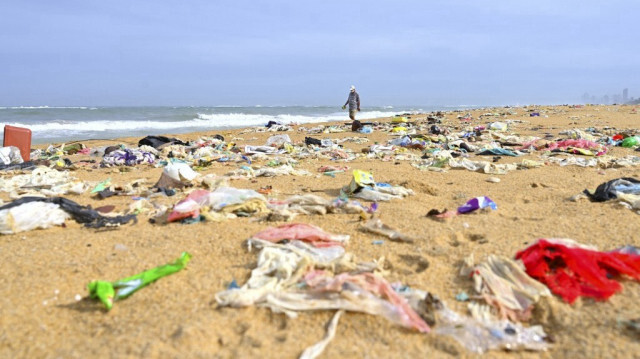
{"x":616,"y":98}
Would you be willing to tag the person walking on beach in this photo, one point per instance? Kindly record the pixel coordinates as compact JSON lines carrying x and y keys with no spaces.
{"x":354,"y":105}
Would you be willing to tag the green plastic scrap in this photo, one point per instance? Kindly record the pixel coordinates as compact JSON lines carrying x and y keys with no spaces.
{"x":108,"y":292}
{"x":101,"y":186}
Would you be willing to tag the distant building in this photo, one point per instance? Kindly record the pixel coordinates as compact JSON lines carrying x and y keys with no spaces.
{"x":617,"y":99}
{"x":625,"y":95}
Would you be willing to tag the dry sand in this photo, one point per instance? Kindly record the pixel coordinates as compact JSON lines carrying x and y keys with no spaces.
{"x":44,"y":270}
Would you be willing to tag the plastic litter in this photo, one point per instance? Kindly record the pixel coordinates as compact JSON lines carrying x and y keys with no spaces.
{"x":612,"y":189}
{"x":30,"y":216}
{"x":43,"y":180}
{"x":303,"y":232}
{"x":505,"y":285}
{"x":376,"y":226}
{"x":128,"y":157}
{"x":10,"y":155}
{"x":278,"y":140}
{"x":81,"y":214}
{"x":315,"y":350}
{"x":477,"y":203}
{"x":108,"y":292}
{"x":363,"y":186}
{"x":572,"y":270}
{"x":497,"y":152}
{"x":498,"y":126}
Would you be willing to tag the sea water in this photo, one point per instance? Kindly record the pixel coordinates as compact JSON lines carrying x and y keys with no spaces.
{"x":63,"y":124}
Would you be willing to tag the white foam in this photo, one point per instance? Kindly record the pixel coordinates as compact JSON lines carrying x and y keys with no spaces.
{"x":47,"y":108}
{"x":204,"y":121}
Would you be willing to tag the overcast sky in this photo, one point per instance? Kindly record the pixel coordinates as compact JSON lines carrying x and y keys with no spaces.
{"x":274,"y":52}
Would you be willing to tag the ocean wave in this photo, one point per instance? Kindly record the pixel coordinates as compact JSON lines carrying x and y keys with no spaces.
{"x":47,"y":108}
{"x":203,"y":121}
{"x":241,"y":119}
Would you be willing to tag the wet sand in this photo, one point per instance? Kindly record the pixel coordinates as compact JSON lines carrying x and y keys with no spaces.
{"x":44,"y":270}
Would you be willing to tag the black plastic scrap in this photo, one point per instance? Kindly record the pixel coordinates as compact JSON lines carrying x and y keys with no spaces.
{"x":608,"y":190}
{"x":81,"y":214}
{"x":159,"y":141}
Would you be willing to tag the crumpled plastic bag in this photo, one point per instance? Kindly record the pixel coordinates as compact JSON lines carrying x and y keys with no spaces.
{"x":128,"y":157}
{"x":504,"y":284}
{"x":10,"y":155}
{"x":611,"y":189}
{"x":571,"y":270}
{"x":81,"y":214}
{"x":483,"y":166}
{"x":278,"y":140}
{"x":223,"y":199}
{"x":30,"y":216}
{"x":108,"y":292}
{"x":283,"y":170}
{"x":363,"y":186}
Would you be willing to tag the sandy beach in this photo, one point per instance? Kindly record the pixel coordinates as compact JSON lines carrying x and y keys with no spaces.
{"x":46,"y":271}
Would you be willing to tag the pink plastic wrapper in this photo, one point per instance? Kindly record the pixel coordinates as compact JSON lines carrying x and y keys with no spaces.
{"x":319,"y":281}
{"x":581,"y":143}
{"x":189,"y":207}
{"x":303,"y":232}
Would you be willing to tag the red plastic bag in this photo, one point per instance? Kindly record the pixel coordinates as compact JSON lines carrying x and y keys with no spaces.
{"x":571,"y":270}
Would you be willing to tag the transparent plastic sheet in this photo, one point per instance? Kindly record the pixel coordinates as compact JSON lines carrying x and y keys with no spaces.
{"x":504,"y":284}
{"x":223,"y":199}
{"x":477,"y":334}
{"x":376,"y":226}
{"x":279,"y":267}
{"x":270,"y":150}
{"x":278,"y":140}
{"x":482,"y":166}
{"x":53,"y":182}
{"x":364,"y":292}
{"x":370,"y":194}
{"x":310,"y":204}
{"x":283,"y":170}
{"x":481,"y":336}
{"x":301,"y":231}
{"x":30,"y":216}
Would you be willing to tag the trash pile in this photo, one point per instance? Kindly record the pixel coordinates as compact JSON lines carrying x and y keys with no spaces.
{"x":300,"y":267}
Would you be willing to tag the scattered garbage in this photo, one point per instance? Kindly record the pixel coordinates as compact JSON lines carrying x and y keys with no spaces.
{"x":10,"y":155}
{"x":376,"y":226}
{"x":108,"y":292}
{"x":364,"y":187}
{"x":614,"y":188}
{"x":128,"y":157}
{"x":16,"y":218}
{"x":504,"y":284}
{"x":477,"y":203}
{"x":573,"y":270}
